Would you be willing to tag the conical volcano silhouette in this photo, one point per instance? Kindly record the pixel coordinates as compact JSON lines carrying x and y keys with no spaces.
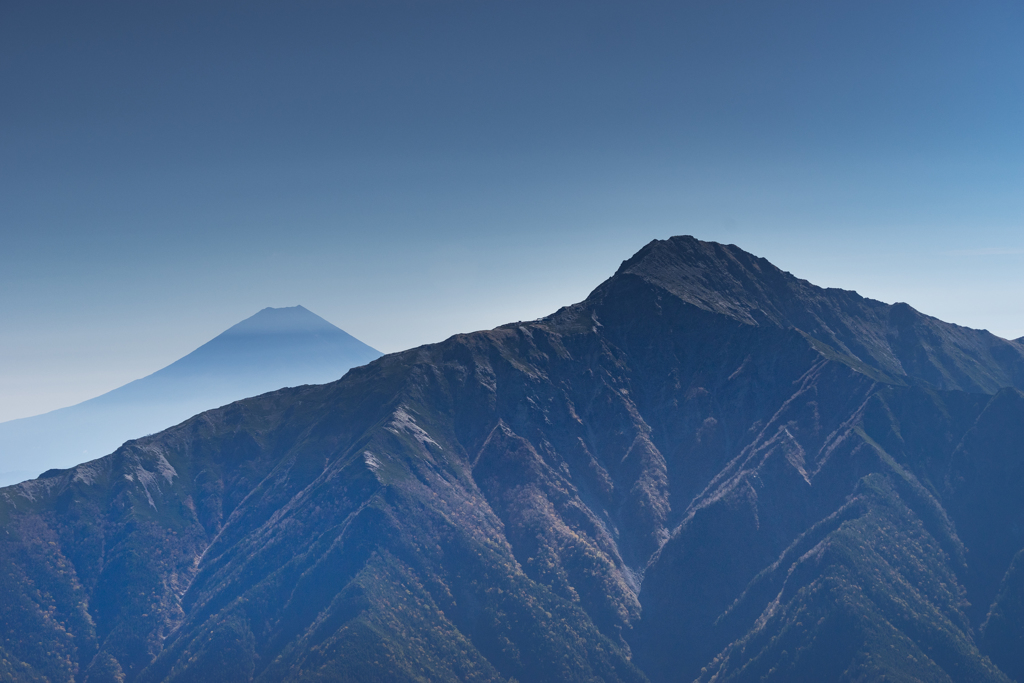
{"x":274,"y":348}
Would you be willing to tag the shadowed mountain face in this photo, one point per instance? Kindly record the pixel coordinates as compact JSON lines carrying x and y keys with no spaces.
{"x":707,"y":470}
{"x":277,"y":347}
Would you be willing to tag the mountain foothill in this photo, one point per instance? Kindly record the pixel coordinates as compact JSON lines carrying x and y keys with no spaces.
{"x":709,"y":470}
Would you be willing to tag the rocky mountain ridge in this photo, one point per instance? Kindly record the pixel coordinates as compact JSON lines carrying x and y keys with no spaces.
{"x":707,"y":470}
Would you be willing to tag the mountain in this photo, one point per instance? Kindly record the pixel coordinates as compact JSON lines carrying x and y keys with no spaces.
{"x":277,"y":347}
{"x":707,"y":470}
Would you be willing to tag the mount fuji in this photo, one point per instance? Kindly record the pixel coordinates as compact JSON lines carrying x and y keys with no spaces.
{"x":274,"y":348}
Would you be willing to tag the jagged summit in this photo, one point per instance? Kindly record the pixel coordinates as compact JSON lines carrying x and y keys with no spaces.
{"x":728,"y":280}
{"x":896,"y":340}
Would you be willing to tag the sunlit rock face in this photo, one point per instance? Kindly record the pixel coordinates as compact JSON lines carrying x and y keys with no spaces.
{"x":277,"y":347}
{"x":707,"y":470}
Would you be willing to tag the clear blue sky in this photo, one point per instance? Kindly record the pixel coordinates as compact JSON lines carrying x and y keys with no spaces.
{"x":409,"y":170}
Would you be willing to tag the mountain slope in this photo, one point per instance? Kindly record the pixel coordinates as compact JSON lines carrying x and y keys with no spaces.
{"x":274,"y":348}
{"x":658,"y":483}
{"x":896,"y":339}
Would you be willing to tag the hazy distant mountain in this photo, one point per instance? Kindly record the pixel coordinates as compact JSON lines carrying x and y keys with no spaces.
{"x":709,"y":469}
{"x":275,"y":348}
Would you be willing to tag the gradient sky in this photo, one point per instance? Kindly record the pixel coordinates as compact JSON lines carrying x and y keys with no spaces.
{"x":409,"y":170}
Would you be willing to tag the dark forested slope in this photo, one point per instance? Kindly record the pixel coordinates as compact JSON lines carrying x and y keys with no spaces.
{"x":707,"y":470}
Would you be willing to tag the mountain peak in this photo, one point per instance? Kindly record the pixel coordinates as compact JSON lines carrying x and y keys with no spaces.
{"x":273,"y":340}
{"x":286,"y":320}
{"x":658,"y":493}
{"x":273,"y":348}
{"x":725,"y":279}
